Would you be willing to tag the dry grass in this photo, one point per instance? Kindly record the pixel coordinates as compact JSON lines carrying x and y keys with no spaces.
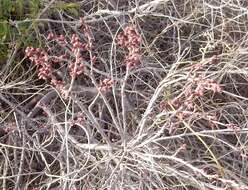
{"x":178,"y":120}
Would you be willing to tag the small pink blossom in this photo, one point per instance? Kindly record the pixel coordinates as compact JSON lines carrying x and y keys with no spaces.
{"x":130,"y":40}
{"x":106,"y":85}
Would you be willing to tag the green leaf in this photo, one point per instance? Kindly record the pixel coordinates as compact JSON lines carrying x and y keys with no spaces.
{"x":3,"y":52}
{"x":34,"y":6}
{"x":74,"y":12}
{"x":20,"y":7}
{"x":4,"y":31}
{"x":6,"y":6}
{"x":66,"y":6}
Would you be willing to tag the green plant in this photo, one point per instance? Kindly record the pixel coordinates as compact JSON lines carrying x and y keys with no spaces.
{"x":11,"y":11}
{"x":71,"y":8}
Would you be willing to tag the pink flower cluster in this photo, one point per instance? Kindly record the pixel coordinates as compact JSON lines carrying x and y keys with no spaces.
{"x":86,"y":31}
{"x":201,"y":87}
{"x":76,"y":67}
{"x":106,"y":85}
{"x":184,"y":104}
{"x":60,"y":39}
{"x":233,"y":126}
{"x":207,"y":84}
{"x":78,"y":119}
{"x":10,"y":126}
{"x":131,"y":40}
{"x":190,"y":94}
{"x":45,"y":71}
{"x":41,"y":60}
{"x":74,"y":57}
